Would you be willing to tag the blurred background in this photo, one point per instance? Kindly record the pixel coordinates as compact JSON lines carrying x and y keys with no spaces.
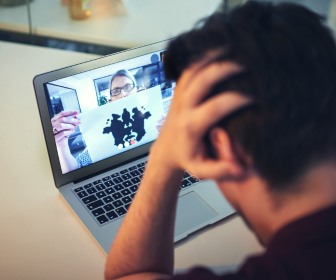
{"x":106,"y":26}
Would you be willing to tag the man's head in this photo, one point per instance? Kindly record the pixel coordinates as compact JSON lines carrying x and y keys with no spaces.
{"x":122,"y":84}
{"x":289,"y":61}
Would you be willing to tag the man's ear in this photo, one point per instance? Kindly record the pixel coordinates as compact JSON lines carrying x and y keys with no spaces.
{"x":224,"y":150}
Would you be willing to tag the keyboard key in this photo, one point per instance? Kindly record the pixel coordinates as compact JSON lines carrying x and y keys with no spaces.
{"x":127,"y":184}
{"x":91,"y":190}
{"x":110,"y":190}
{"x":102,"y":219}
{"x":135,"y":173}
{"x":98,"y":212}
{"x":134,"y":188}
{"x":89,"y":199}
{"x":107,"y":178}
{"x":141,"y":170}
{"x":97,"y":182}
{"x":136,"y":180}
{"x":121,"y":211}
{"x":88,"y":186}
{"x":118,"y":187}
{"x":142,"y":164}
{"x":193,"y":180}
{"x":117,"y":180}
{"x":124,"y":171}
{"x":132,"y":168}
{"x":117,"y":195}
{"x":101,"y":194}
{"x":111,"y":215}
{"x":108,"y":183}
{"x":117,"y":203}
{"x":82,"y":194}
{"x":125,"y":192}
{"x":79,"y":189}
{"x":108,"y":199}
{"x":100,"y":187}
{"x":126,"y":199}
{"x":114,"y":175}
{"x":127,"y":206}
{"x":95,"y":204}
{"x":108,"y":207}
{"x":185,"y":183}
{"x":186,"y":174}
{"x":126,"y":176}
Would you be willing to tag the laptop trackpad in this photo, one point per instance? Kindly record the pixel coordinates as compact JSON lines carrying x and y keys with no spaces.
{"x":192,"y":211}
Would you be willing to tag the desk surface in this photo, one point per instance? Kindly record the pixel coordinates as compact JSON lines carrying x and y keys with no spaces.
{"x":41,"y":238}
{"x":117,"y":23}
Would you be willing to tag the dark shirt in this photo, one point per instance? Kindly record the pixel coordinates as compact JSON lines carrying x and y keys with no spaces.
{"x":303,"y":249}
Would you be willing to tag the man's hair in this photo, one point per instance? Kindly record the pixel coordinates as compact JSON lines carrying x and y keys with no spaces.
{"x":123,"y":73}
{"x":289,"y":61}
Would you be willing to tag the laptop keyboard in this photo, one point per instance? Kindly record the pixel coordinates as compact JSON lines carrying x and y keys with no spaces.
{"x":109,"y":198}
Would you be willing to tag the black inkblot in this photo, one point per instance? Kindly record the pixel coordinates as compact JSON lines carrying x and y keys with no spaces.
{"x":125,"y":128}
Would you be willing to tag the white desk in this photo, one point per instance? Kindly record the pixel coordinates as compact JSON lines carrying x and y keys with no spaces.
{"x":40,"y":237}
{"x":111,"y":24}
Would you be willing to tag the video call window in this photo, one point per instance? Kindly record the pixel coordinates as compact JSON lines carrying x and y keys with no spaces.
{"x":88,"y":91}
{"x":146,"y":77}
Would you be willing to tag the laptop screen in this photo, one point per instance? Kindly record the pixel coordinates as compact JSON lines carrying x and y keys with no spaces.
{"x":103,"y":112}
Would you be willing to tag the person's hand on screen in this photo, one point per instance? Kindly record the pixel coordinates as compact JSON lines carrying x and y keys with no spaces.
{"x":64,"y":124}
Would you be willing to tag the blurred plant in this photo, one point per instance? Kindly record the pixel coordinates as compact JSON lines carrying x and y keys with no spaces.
{"x":102,"y":100}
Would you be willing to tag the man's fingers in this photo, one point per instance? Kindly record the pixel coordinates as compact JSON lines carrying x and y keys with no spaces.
{"x":189,"y":73}
{"x":218,"y":107}
{"x":214,"y":169}
{"x":204,"y":79}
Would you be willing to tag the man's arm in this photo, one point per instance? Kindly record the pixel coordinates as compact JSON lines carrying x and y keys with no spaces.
{"x":143,"y":248}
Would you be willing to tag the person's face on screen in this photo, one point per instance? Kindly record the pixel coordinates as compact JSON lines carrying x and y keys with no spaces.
{"x":121,"y":87}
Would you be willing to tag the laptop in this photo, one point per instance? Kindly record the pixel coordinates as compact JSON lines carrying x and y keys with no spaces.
{"x":110,"y":143}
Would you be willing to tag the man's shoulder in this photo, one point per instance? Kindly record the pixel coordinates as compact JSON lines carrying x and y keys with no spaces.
{"x":304,"y":249}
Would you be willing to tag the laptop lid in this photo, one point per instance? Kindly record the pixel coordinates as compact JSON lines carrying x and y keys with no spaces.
{"x":111,"y":133}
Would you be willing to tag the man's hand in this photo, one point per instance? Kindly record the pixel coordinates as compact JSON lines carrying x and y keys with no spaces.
{"x":180,"y":144}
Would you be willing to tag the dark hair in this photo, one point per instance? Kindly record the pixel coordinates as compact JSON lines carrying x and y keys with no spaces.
{"x":289,"y":57}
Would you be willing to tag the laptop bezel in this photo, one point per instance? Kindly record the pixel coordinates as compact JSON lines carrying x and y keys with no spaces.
{"x":39,"y":83}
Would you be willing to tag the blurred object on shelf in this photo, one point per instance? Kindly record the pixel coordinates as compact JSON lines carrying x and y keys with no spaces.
{"x":79,"y":9}
{"x":13,"y":2}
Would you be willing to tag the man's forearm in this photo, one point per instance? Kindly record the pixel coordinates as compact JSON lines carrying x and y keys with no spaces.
{"x":147,"y":244}
{"x":143,"y":248}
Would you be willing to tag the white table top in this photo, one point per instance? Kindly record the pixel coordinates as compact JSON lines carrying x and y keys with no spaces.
{"x":118,"y":23}
{"x":40,"y":236}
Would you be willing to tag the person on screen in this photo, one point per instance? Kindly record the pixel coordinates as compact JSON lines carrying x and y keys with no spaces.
{"x":122,"y":85}
{"x":253,"y":110}
{"x":64,"y":124}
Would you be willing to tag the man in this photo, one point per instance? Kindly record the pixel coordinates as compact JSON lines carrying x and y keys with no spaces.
{"x":254,"y":110}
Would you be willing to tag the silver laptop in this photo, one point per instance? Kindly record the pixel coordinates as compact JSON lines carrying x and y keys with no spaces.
{"x":110,"y":143}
